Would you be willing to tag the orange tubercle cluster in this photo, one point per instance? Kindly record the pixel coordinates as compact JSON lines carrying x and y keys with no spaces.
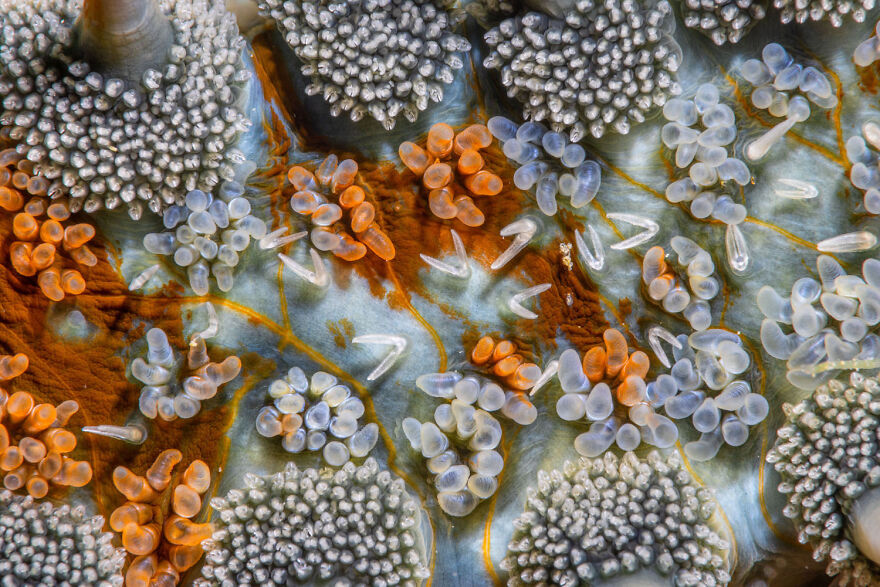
{"x":164,"y":547}
{"x":336,"y":179}
{"x":501,"y":359}
{"x":42,"y":241}
{"x":33,"y":442}
{"x":614,"y":363}
{"x":451,"y":164}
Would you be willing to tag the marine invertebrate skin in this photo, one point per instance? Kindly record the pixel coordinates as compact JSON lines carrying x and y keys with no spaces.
{"x":162,"y":396}
{"x":104,"y":141}
{"x":834,"y":11}
{"x":144,"y":527}
{"x":690,"y":298}
{"x":460,"y":444}
{"x":305,"y":412}
{"x":826,"y":458}
{"x":502,"y":360}
{"x":41,"y":544}
{"x":450,"y":164}
{"x":208,"y":235}
{"x":334,"y":179}
{"x":35,"y":445}
{"x":701,"y":130}
{"x":813,"y":351}
{"x":629,"y":414}
{"x":862,"y":152}
{"x":604,"y":67}
{"x":723,"y":21}
{"x":382,"y":58}
{"x":774,"y":77}
{"x":602,"y":519}
{"x":539,"y":153}
{"x":44,"y":246}
{"x":355,"y":524}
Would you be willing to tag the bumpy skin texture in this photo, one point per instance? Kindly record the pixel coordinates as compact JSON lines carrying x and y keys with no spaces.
{"x":355,"y":524}
{"x":609,"y":517}
{"x":46,"y":545}
{"x":570,"y":74}
{"x":826,"y":454}
{"x":723,"y":21}
{"x":384,"y":58}
{"x":834,"y":11}
{"x":104,"y":143}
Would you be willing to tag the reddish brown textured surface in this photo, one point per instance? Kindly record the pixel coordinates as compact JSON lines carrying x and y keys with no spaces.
{"x":93,"y":372}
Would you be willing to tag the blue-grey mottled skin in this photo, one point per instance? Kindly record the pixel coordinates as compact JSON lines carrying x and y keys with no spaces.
{"x":776,"y":260}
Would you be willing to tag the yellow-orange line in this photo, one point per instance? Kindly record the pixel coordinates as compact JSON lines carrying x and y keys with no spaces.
{"x":441,"y":350}
{"x":792,"y":237}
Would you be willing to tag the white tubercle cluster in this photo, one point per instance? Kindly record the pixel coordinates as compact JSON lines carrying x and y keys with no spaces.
{"x":864,"y":154}
{"x":162,"y":395}
{"x":691,"y":297}
{"x":785,"y":89}
{"x":460,"y":444}
{"x":720,"y":406}
{"x":605,"y":410}
{"x":701,"y":386}
{"x":702,"y":131}
{"x":317,"y":414}
{"x":868,"y":51}
{"x":549,"y":165}
{"x":208,"y":235}
{"x":816,"y":350}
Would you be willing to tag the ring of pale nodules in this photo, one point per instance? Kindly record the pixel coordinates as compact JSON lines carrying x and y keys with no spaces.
{"x":460,"y":444}
{"x":144,"y":527}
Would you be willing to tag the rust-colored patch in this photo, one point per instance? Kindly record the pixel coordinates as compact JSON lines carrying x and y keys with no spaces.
{"x":869,"y":78}
{"x":93,"y":372}
{"x":338,"y":338}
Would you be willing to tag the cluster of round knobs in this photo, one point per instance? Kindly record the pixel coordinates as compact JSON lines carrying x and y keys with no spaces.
{"x":547,"y":163}
{"x":162,"y":396}
{"x":164,"y":545}
{"x":813,"y":351}
{"x":208,"y":235}
{"x":453,"y":170}
{"x":306,"y":412}
{"x":460,"y":444}
{"x":313,"y":199}
{"x":690,"y":298}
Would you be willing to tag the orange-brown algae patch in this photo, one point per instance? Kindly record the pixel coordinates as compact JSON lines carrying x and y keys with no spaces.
{"x":869,"y":78}
{"x":406,"y":216}
{"x":570,"y":308}
{"x":338,"y":337}
{"x":92,"y":371}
